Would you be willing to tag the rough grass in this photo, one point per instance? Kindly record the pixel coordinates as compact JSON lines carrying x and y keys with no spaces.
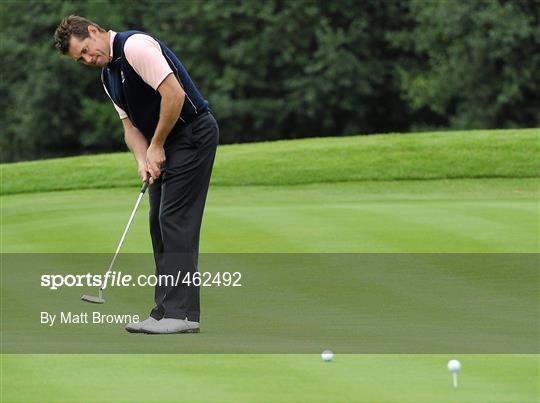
{"x":439,"y":155}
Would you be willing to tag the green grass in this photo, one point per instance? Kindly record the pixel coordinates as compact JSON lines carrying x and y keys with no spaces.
{"x":269,"y":378}
{"x":497,"y":215}
{"x":490,"y":215}
{"x":492,"y":208}
{"x":441,"y":155}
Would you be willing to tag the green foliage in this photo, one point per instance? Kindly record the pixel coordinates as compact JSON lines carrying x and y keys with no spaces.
{"x":476,"y":64}
{"x":278,"y":69}
{"x":480,"y":154}
{"x":43,"y":92}
{"x":101,"y":125}
{"x":281,"y":70}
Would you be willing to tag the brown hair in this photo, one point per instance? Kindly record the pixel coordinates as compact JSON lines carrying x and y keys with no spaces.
{"x":72,"y":26}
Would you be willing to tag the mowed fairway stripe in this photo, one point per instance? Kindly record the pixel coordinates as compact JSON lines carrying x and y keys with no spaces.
{"x":334,"y":218}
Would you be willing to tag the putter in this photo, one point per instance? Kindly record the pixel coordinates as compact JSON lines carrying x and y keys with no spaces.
{"x":99,"y":299}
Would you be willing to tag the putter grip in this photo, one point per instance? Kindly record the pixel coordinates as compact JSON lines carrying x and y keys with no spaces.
{"x":144,"y":186}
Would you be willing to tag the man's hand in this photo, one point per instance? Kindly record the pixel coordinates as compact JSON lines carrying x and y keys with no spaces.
{"x":155,"y":157}
{"x":138,"y":146}
{"x":143,"y":170}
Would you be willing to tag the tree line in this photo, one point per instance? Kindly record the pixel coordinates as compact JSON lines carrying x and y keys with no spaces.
{"x":278,"y":69}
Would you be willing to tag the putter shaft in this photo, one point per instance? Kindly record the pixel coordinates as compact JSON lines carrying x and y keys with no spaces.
{"x":99,"y":299}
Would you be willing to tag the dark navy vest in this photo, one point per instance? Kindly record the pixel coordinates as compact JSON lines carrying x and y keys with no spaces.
{"x":140,"y":101}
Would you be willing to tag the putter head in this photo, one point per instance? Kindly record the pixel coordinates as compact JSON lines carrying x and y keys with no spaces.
{"x":92,"y":299}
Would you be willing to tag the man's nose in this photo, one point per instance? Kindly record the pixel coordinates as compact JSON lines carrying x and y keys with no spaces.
{"x":87,"y":58}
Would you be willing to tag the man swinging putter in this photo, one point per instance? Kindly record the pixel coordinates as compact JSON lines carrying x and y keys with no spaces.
{"x":173,"y":137}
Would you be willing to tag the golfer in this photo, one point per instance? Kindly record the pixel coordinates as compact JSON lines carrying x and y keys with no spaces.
{"x":173,"y":137}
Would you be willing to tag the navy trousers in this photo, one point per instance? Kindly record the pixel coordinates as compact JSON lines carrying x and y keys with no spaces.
{"x":177,"y":202}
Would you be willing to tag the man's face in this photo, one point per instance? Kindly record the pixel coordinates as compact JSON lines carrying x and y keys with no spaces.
{"x":92,"y":51}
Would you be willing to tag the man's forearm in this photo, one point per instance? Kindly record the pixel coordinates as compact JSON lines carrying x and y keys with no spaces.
{"x":172,"y":100}
{"x":170,"y":109}
{"x":137,"y":143}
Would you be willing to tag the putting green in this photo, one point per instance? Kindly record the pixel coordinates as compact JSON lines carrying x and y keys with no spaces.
{"x":268,"y":378}
{"x":490,"y":215}
{"x":470,"y":215}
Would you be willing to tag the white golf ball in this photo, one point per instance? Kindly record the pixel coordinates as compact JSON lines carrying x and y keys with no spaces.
{"x":454,"y":365}
{"x":327,"y":355}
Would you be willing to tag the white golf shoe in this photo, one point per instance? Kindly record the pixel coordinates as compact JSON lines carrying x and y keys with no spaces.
{"x":136,"y":327}
{"x":169,"y":325}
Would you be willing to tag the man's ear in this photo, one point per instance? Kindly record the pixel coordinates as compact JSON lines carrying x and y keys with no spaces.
{"x":92,"y":29}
